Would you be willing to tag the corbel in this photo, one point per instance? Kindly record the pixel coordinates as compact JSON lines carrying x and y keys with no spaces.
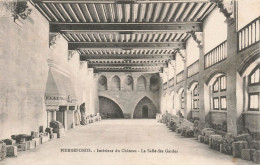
{"x":197,"y":37}
{"x":71,"y":54}
{"x":53,"y":37}
{"x":19,"y":10}
{"x":226,"y":7}
{"x":180,"y":53}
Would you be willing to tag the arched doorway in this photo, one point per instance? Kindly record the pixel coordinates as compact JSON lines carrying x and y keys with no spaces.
{"x":109,"y":109}
{"x":145,"y":109}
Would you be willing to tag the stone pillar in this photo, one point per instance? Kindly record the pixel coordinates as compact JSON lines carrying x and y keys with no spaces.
{"x":161,"y":93}
{"x":48,"y":119}
{"x":185,"y":88}
{"x":95,"y":94}
{"x":53,"y":116}
{"x":147,"y":85}
{"x":234,"y":81}
{"x":135,"y":83}
{"x":109,"y":83}
{"x":65,"y":118}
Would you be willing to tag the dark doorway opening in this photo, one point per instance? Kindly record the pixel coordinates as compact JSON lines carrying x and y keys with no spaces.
{"x":145,"y":111}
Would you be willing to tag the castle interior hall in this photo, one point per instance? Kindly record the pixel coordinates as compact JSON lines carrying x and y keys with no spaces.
{"x":130,"y":82}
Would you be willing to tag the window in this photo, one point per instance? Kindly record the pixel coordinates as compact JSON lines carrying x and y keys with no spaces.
{"x":254,"y":101}
{"x":215,"y":87}
{"x":216,"y":103}
{"x":223,"y":83}
{"x":254,"y":78}
{"x":195,"y":97}
{"x":219,"y":101}
{"x":223,"y":103}
{"x":195,"y":104}
{"x":196,"y":91}
{"x":182,"y":100}
{"x":254,"y":88}
{"x":220,"y":84}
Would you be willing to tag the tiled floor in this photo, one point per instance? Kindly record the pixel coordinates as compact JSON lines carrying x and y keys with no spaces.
{"x":136,"y":136}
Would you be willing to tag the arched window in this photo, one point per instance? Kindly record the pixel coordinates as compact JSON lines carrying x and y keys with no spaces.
{"x":102,"y":83}
{"x":195,"y":97}
{"x":115,"y":84}
{"x":129,"y":83}
{"x":254,"y":89}
{"x":141,"y":83}
{"x":182,"y":99}
{"x":219,"y":100}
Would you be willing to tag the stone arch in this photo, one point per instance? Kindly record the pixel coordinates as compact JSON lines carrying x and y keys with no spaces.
{"x":213,"y":75}
{"x":115,"y":83}
{"x":140,"y":109}
{"x":128,"y":82}
{"x":154,"y":83}
{"x":249,"y":63}
{"x":192,"y":84}
{"x":102,"y":82}
{"x":141,"y":83}
{"x":180,"y":89}
{"x":108,"y":107}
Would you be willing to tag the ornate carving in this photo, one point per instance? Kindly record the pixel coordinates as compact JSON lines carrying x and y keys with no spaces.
{"x":53,"y":39}
{"x":7,"y":7}
{"x":22,"y":10}
{"x":179,"y":52}
{"x":225,"y":7}
{"x":71,"y":54}
{"x":15,"y":9}
{"x":197,"y":37}
{"x":128,"y":80}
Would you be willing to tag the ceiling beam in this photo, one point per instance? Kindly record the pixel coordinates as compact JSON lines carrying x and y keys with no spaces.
{"x":125,"y":45}
{"x":91,"y":65}
{"x":141,"y":70}
{"x":126,"y":28}
{"x":115,"y":1}
{"x":132,"y":57}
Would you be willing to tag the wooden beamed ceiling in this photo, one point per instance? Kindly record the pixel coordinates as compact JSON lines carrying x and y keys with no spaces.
{"x":135,"y":30}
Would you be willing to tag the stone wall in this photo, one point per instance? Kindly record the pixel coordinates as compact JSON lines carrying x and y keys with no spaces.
{"x":23,"y":69}
{"x":128,"y":98}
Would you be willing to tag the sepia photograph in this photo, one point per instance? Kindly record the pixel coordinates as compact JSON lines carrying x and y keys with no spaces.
{"x":129,"y":82}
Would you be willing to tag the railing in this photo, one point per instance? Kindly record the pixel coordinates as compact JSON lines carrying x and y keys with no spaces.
{"x":193,"y":68}
{"x":171,"y":82}
{"x":216,"y":55}
{"x":165,"y":86}
{"x":180,"y":77}
{"x":249,"y":34}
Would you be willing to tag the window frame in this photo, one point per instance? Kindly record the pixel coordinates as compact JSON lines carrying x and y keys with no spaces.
{"x":221,"y":103}
{"x":249,"y":100}
{"x":250,"y":75}
{"x":220,"y":86}
{"x":214,"y":106}
{"x":182,"y":99}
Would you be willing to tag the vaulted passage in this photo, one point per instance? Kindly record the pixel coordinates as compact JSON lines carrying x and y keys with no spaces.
{"x":109,"y":109}
{"x":145,"y":109}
